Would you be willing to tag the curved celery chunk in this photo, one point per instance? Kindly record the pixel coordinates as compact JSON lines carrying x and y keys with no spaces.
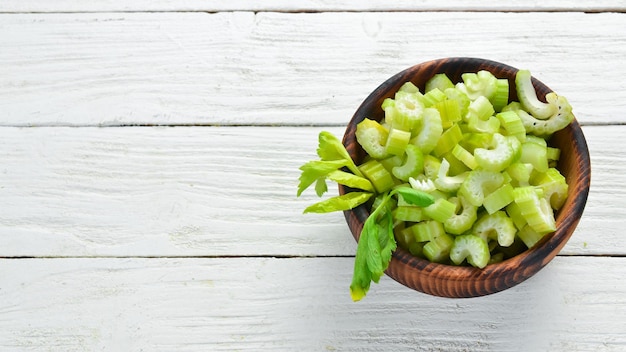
{"x":406,"y":110}
{"x":441,"y":210}
{"x":535,"y":209}
{"x":496,"y":226}
{"x":535,"y":154}
{"x":464,"y":217}
{"x":451,"y":137}
{"x":499,"y":198}
{"x":554,"y":188}
{"x":471,"y":248}
{"x":413,"y":164}
{"x":429,"y":131}
{"x":498,"y":157}
{"x":372,"y":136}
{"x":397,"y":140}
{"x":500,"y":97}
{"x":380,"y":178}
{"x":478,"y":184}
{"x":446,"y":183}
{"x":438,"y":249}
{"x":480,"y":84}
{"x":528,"y":97}
{"x":439,"y":81}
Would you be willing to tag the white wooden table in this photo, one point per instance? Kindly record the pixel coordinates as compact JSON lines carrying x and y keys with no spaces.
{"x":149,"y":155}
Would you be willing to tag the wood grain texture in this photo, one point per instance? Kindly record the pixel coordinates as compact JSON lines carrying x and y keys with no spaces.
{"x":297,"y":304}
{"x":304,"y":6}
{"x":161,"y":191}
{"x":223,"y":68}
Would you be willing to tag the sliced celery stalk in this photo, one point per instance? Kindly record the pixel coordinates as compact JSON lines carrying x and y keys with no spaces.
{"x":498,"y":157}
{"x":439,"y":81}
{"x":528,"y":97}
{"x":448,"y":140}
{"x":372,"y":136}
{"x":378,"y":175}
{"x":441,"y":210}
{"x":429,"y":132}
{"x":536,"y":155}
{"x":438,"y":249}
{"x":499,"y":198}
{"x":496,"y":226}
{"x":472,"y":248}
{"x":478,"y":184}
{"x":412,"y":166}
{"x":535,"y":209}
{"x":464,"y":217}
{"x":397,"y":141}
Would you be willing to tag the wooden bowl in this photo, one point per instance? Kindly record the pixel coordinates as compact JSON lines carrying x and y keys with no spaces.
{"x":460,"y":281}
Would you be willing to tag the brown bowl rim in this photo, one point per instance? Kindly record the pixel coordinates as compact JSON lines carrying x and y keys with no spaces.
{"x":461,"y":281}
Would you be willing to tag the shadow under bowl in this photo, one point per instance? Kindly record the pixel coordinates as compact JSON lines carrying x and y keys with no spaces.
{"x":464,"y":281}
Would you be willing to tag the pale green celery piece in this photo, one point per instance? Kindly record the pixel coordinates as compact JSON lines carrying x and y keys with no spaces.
{"x":392,"y":161}
{"x":482,"y":83}
{"x":481,"y":108}
{"x":497,"y":226}
{"x":490,"y":125}
{"x":498,"y":157}
{"x":560,"y":120}
{"x":449,"y":138}
{"x":537,"y":140}
{"x":459,"y":97}
{"x":500,"y":97}
{"x":535,"y":209}
{"x":427,"y":230}
{"x":529,"y":236}
{"x":457,"y":167}
{"x":387,"y":103}
{"x":478,"y":184}
{"x":409,"y":87}
{"x":520,"y":173}
{"x":499,"y":198}
{"x":553,"y":154}
{"x":378,"y":175}
{"x":404,"y":236}
{"x":351,"y":180}
{"x":527,"y":96}
{"x":513,"y":106}
{"x":449,"y":112}
{"x":408,"y":213}
{"x":413,"y":164}
{"x":429,"y":131}
{"x":431,"y":166}
{"x":422,"y":184}
{"x":536,"y":155}
{"x":471,"y":248}
{"x":474,"y":140}
{"x":441,"y":210}
{"x":338,"y":203}
{"x":432,"y":97}
{"x":464,"y":156}
{"x":446,"y":183}
{"x":554,"y":188}
{"x":397,"y":142}
{"x":512,"y":124}
{"x":463,"y":218}
{"x":439,"y":81}
{"x":408,"y":110}
{"x":372,"y":136}
{"x":438,"y":249}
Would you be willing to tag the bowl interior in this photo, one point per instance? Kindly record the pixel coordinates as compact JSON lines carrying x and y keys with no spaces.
{"x":459,"y":281}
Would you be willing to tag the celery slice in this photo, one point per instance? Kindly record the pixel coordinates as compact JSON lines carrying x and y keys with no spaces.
{"x":554,"y":188}
{"x":397,"y":141}
{"x":446,"y":183}
{"x":427,"y":230}
{"x":408,"y":213}
{"x":413,"y":164}
{"x":537,"y":211}
{"x":515,"y":214}
{"x":529,"y":236}
{"x":558,"y":121}
{"x":528,"y":97}
{"x":424,"y":185}
{"x":496,"y":226}
{"x":438,"y":249}
{"x":498,"y":157}
{"x":433,"y":97}
{"x":372,"y":136}
{"x":499,"y":198}
{"x":520,"y":173}
{"x":441,"y":210}
{"x":439,"y":81}
{"x":512,"y":124}
{"x":536,"y":155}
{"x":500,"y":96}
{"x":380,"y":178}
{"x":448,"y":140}
{"x":431,"y":167}
{"x":471,"y":248}
{"x":429,"y":132}
{"x":480,"y":108}
{"x":450,"y":112}
{"x":459,"y":97}
{"x":409,"y":87}
{"x":480,"y":84}
{"x":464,"y":156}
{"x":478,"y":184}
{"x":463,"y":218}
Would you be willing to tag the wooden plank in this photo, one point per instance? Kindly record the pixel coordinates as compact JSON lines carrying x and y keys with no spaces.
{"x":197,"y":191}
{"x":281,"y":68}
{"x":297,"y":304}
{"x":304,"y":6}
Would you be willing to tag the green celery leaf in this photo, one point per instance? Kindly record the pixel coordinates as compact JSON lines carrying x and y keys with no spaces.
{"x":415,"y":197}
{"x":362,"y":277}
{"x":331,"y":148}
{"x":320,"y":186}
{"x":387,"y":239}
{"x":370,"y":234}
{"x":337,"y":203}
{"x":315,"y":169}
{"x":351,"y":180}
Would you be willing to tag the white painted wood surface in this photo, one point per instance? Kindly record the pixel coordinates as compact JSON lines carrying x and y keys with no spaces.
{"x":148,"y":167}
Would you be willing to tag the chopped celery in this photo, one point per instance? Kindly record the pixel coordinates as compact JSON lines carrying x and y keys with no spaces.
{"x":409,"y":87}
{"x":536,"y":155}
{"x":432,"y":97}
{"x":528,"y":97}
{"x":554,"y":187}
{"x":448,"y":140}
{"x":450,"y":112}
{"x":536,"y":210}
{"x":463,"y":218}
{"x":476,"y":85}
{"x":429,"y":131}
{"x":408,"y":213}
{"x":413,"y":164}
{"x":378,"y":175}
{"x":481,"y":109}
{"x":515,"y":213}
{"x":478,"y":184}
{"x":459,"y":97}
{"x":397,"y":141}
{"x":446,"y":183}
{"x":499,"y":198}
{"x":529,"y":236}
{"x":372,"y":136}
{"x":496,"y":226}
{"x":427,"y":230}
{"x":431,"y":167}
{"x":471,"y":248}
{"x":512,"y":124}
{"x":441,"y":210}
{"x":464,"y":156}
{"x":500,"y":96}
{"x":439,"y":81}
{"x":438,"y":249}
{"x":496,"y":158}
